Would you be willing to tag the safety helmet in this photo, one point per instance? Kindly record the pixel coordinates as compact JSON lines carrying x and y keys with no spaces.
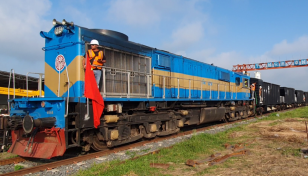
{"x":94,"y":42}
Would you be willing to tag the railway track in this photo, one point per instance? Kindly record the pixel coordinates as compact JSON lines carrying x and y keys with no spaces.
{"x":77,"y":159}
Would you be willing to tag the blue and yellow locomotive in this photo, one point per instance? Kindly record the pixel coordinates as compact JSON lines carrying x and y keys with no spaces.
{"x":147,"y":93}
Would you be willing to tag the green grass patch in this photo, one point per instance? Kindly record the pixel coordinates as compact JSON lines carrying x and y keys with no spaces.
{"x":291,"y":151}
{"x":18,"y":167}
{"x":296,"y":113}
{"x":198,"y":146}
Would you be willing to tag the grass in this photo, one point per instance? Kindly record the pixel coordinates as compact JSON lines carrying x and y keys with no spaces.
{"x":299,"y":113}
{"x":18,"y":167}
{"x":291,"y":151}
{"x":199,"y":146}
{"x":6,"y":155}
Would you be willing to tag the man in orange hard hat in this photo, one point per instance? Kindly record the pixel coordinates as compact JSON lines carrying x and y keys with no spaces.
{"x":253,"y":88}
{"x":97,"y":60}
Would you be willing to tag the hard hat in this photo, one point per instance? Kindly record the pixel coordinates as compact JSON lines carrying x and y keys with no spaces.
{"x":94,"y":42}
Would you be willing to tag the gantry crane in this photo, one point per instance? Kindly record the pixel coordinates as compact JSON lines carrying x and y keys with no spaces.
{"x":270,"y":65}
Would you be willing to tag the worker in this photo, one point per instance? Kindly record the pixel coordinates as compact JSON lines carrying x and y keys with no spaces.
{"x":253,"y":88}
{"x":97,"y":60}
{"x":260,"y":94}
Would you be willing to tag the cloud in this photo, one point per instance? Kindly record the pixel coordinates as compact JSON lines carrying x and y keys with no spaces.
{"x":184,"y":37}
{"x":202,"y":55}
{"x":291,"y":77}
{"x":226,"y":59}
{"x":298,"y":46}
{"x":134,"y":12}
{"x":21,"y":22}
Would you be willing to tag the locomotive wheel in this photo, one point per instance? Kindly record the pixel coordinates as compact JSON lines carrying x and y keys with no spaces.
{"x":98,"y":145}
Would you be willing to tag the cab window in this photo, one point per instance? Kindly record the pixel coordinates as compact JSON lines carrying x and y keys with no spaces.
{"x":245,"y":83}
{"x":237,"y":81}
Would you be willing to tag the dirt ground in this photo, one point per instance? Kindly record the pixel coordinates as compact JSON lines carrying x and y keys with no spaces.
{"x":275,"y":148}
{"x":5,"y":155}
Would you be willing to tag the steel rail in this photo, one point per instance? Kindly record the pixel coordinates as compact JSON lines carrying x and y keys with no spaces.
{"x":12,"y":160}
{"x":73,"y":160}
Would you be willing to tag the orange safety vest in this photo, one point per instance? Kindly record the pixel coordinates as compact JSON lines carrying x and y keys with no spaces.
{"x":252,"y":87}
{"x":97,"y":59}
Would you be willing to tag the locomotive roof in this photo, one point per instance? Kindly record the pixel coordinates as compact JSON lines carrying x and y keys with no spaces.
{"x":164,"y":51}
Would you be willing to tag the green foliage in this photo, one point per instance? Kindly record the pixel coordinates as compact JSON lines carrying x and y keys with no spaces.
{"x":203,"y":144}
{"x":18,"y":167}
{"x":199,"y":145}
{"x":296,"y":113}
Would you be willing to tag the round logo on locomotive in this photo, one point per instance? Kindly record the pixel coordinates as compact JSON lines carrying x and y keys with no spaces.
{"x":60,"y":62}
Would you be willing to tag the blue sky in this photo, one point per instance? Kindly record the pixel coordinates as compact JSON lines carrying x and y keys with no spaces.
{"x":223,"y":32}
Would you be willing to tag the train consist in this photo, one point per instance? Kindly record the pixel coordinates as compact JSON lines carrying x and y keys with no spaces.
{"x":147,"y":93}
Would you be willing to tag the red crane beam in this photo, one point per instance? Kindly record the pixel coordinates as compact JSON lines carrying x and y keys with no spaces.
{"x":271,"y":65}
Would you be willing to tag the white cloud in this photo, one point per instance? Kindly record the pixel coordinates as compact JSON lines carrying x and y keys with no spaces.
{"x":21,"y":22}
{"x":292,"y":77}
{"x":202,"y":55}
{"x":227,"y":59}
{"x":134,"y":12}
{"x":299,"y":46}
{"x":184,"y":37}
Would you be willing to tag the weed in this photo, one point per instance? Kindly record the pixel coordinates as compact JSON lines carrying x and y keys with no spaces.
{"x":291,"y":151}
{"x":18,"y":167}
{"x":199,"y":145}
{"x":145,"y":150}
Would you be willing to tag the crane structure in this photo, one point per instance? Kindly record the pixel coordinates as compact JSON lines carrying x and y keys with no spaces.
{"x":270,"y":65}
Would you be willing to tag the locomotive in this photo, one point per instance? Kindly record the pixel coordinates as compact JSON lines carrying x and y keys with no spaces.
{"x":147,"y":93}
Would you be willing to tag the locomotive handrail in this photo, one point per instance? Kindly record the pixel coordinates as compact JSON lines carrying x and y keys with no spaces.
{"x":217,"y":91}
{"x":164,"y":82}
{"x":39,"y":83}
{"x":59,"y":83}
{"x":120,"y":70}
{"x":68,"y":91}
{"x":104,"y":81}
{"x":164,"y":87}
{"x":12,"y":71}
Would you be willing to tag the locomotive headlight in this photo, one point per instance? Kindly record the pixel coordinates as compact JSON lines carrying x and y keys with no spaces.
{"x":55,"y":22}
{"x":58,"y":30}
{"x":64,"y":22}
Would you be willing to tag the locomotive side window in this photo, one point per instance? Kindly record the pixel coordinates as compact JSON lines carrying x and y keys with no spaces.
{"x":237,"y":81}
{"x":246,"y":83}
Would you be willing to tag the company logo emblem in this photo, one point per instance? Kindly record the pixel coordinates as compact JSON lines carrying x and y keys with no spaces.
{"x":60,"y":62}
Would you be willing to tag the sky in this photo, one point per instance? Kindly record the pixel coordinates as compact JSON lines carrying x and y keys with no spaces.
{"x":222,"y":32}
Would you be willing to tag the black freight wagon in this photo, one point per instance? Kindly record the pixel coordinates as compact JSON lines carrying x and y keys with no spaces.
{"x":299,"y":97}
{"x":267,"y":95}
{"x":305,"y":98}
{"x":288,"y":95}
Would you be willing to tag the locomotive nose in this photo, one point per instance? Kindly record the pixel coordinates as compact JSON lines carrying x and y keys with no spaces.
{"x":29,"y":123}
